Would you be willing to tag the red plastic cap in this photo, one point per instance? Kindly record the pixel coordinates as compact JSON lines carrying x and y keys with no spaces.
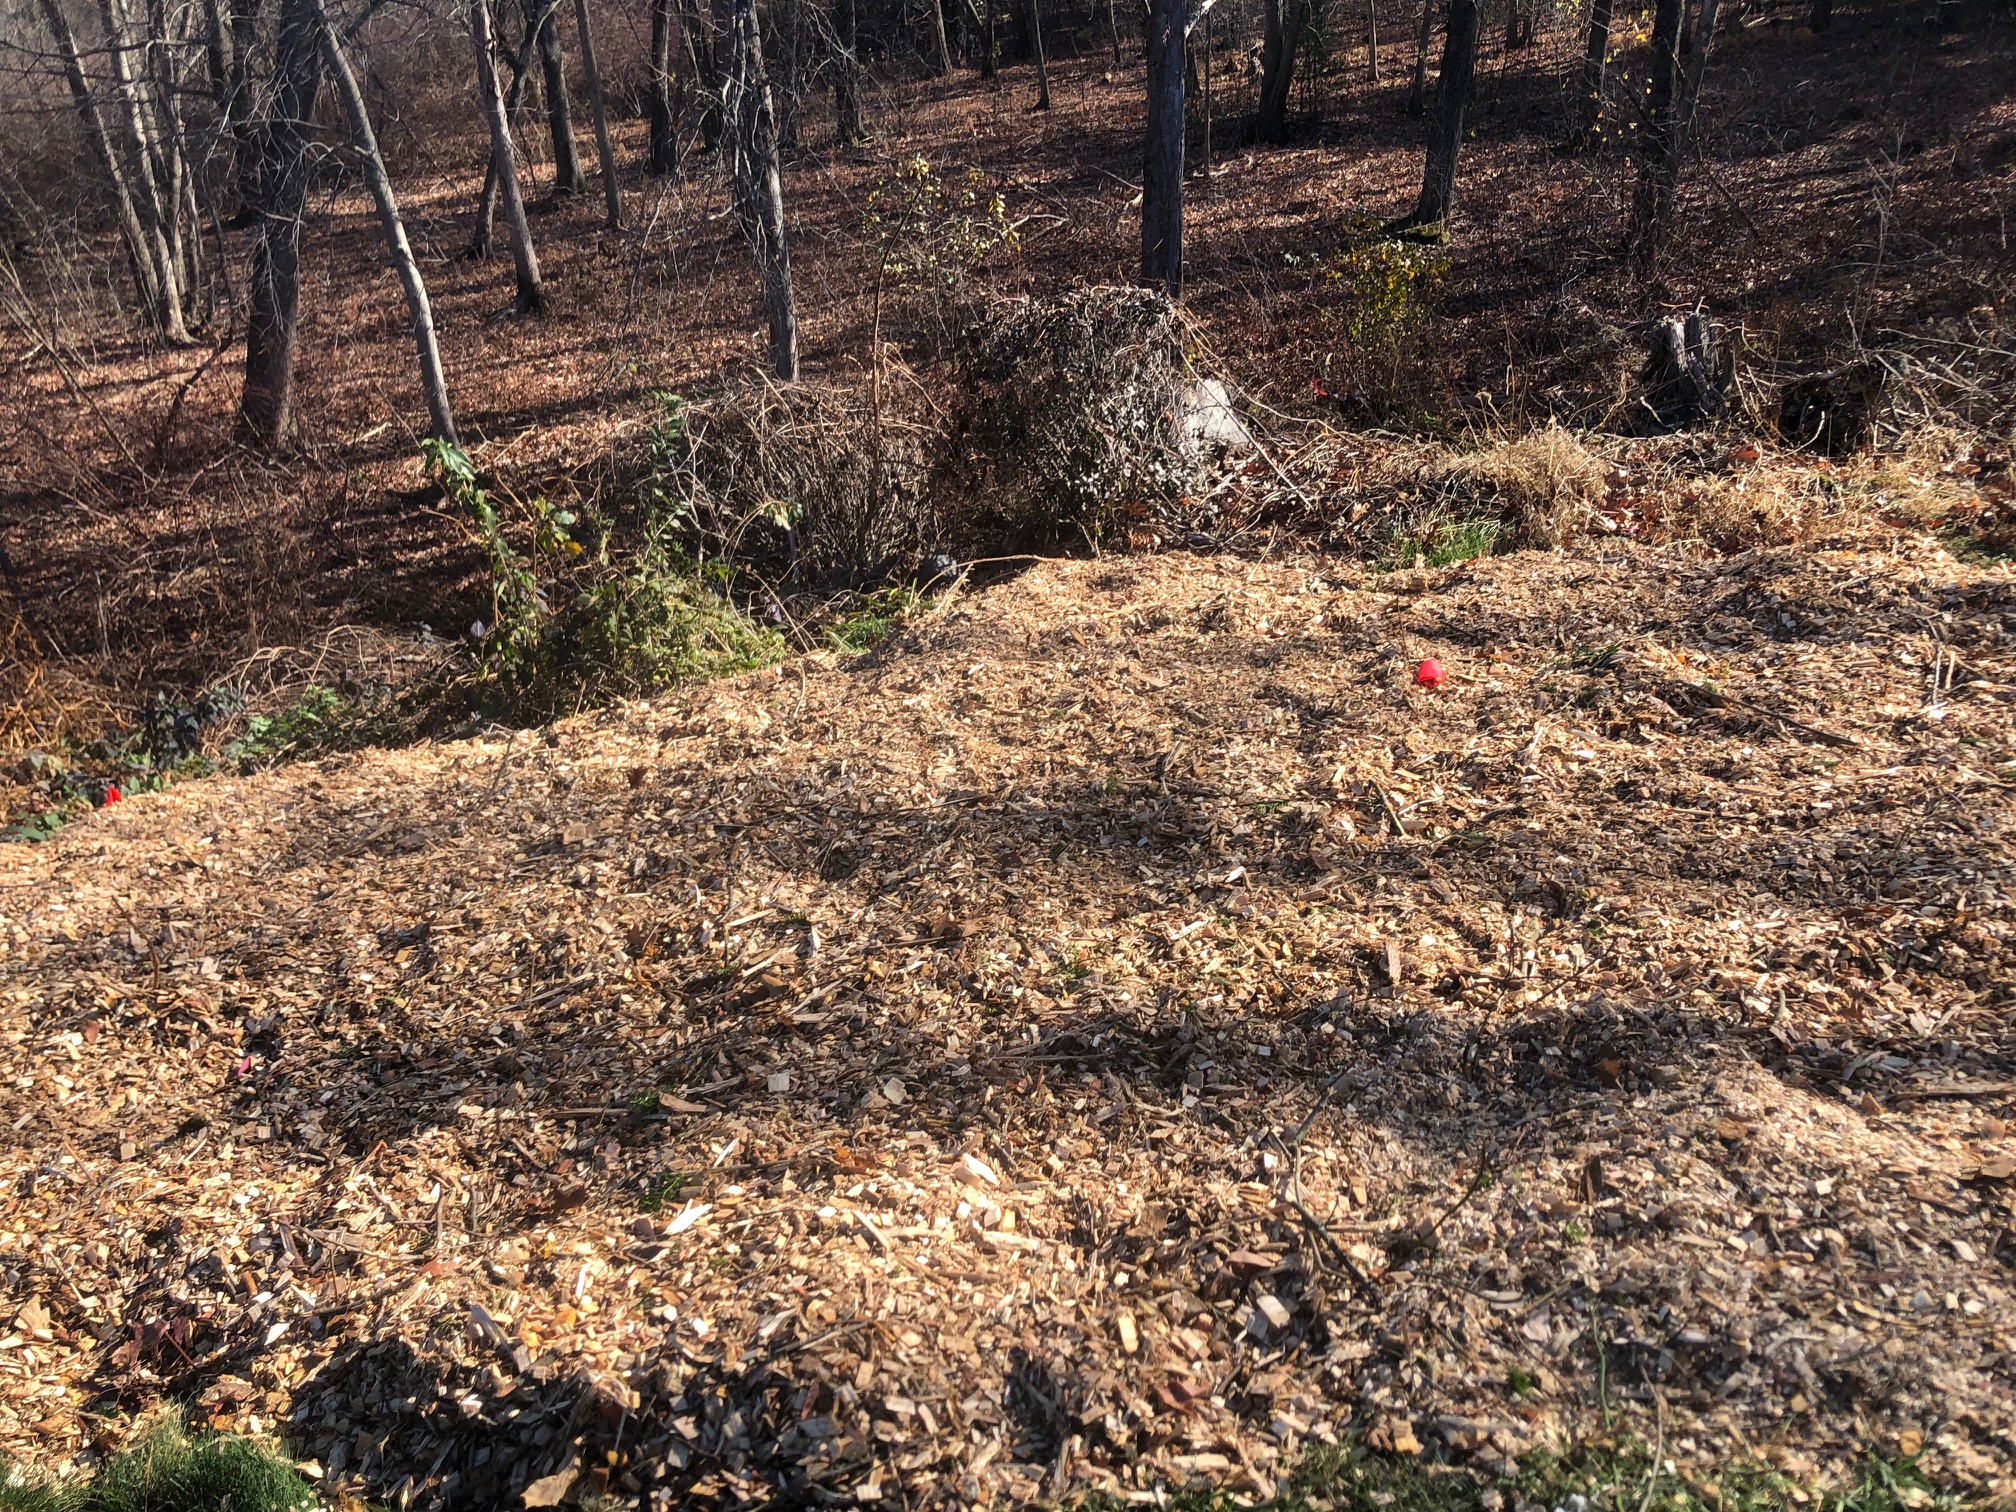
{"x":1430,"y":674}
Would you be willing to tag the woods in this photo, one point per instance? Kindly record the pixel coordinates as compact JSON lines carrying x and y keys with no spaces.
{"x":1213,"y":753}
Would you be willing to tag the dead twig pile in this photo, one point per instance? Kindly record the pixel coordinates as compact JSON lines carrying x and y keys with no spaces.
{"x":1071,"y":416}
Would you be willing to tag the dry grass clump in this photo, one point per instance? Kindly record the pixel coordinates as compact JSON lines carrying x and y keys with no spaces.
{"x":1546,"y":485}
{"x":1069,"y":415}
{"x":818,"y":476}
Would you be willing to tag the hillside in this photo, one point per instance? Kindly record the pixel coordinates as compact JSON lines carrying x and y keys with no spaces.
{"x":1115,"y":1033}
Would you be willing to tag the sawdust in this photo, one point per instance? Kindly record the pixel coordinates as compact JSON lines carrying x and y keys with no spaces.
{"x":1111,"y":1036}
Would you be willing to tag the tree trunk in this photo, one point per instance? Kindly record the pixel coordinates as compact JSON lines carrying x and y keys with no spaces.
{"x":139,"y":258}
{"x":273,"y":325}
{"x":1417,"y":92}
{"x":662,"y":150}
{"x":1659,"y":154}
{"x":148,"y":176}
{"x":847,"y":73}
{"x":1372,"y":39}
{"x":1042,"y":64}
{"x":1697,"y":65}
{"x":706,"y":32}
{"x":432,"y":381}
{"x":987,"y":44}
{"x":757,"y":182}
{"x":213,"y":53}
{"x":1452,"y":93}
{"x":611,"y":195}
{"x":1285,"y":22}
{"x":185,"y":236}
{"x":567,"y":175}
{"x":1821,"y":16}
{"x":1595,"y":70}
{"x":482,"y":240}
{"x":1162,"y":165}
{"x":531,"y":292}
{"x":238,"y":101}
{"x":938,"y":31}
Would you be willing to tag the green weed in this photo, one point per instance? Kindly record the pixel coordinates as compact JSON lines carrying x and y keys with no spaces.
{"x":170,"y":1470}
{"x":663,"y":1191}
{"x":1444,"y":543}
{"x":879,"y":616}
{"x":321,"y":719}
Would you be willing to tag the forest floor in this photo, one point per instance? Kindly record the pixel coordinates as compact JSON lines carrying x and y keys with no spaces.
{"x":1851,"y":191}
{"x":1116,"y":1034}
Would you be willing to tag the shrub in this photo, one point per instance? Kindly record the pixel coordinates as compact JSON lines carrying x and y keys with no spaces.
{"x":1069,"y":416}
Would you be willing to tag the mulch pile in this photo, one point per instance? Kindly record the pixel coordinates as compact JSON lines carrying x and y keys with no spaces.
{"x":1110,"y":1037}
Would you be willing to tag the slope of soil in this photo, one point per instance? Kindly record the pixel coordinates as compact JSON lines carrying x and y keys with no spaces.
{"x":1115,"y":1034}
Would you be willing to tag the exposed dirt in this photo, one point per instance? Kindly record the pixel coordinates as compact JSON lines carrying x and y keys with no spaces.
{"x":1113,"y":1034}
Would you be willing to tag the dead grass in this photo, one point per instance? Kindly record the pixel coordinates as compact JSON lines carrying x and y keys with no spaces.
{"x":1546,"y":484}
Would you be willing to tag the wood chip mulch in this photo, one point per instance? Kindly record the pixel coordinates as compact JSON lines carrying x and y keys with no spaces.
{"x":1115,"y":1035}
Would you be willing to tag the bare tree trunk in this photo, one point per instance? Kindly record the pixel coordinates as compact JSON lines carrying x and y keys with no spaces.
{"x":610,"y":193}
{"x":139,"y":257}
{"x":706,"y":31}
{"x":1595,"y":70}
{"x":662,"y":154}
{"x":433,"y":383}
{"x":1659,"y":154}
{"x":1042,"y":64}
{"x":1697,"y":65}
{"x":238,"y":102}
{"x":1205,"y":20}
{"x":1452,"y":94}
{"x":148,"y":177}
{"x":1112,"y":26}
{"x":531,"y":292}
{"x":567,"y":175}
{"x":1821,"y":17}
{"x":185,"y":239}
{"x":757,"y":181}
{"x":1417,"y":92}
{"x":847,"y":73}
{"x":273,"y":324}
{"x":1372,"y":39}
{"x":482,"y":239}
{"x":1285,"y":22}
{"x":988,"y":46}
{"x":213,"y":52}
{"x":944,"y":47}
{"x":1162,"y":165}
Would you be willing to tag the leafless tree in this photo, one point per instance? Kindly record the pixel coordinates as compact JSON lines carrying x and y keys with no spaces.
{"x":847,"y":72}
{"x":1659,"y":150}
{"x":1162,"y":166}
{"x":1417,"y":91}
{"x":531,"y":291}
{"x":1595,"y":70}
{"x":482,"y":238}
{"x":612,"y":196}
{"x":432,"y":382}
{"x":756,"y":180}
{"x":1284,"y":21}
{"x":280,"y":175}
{"x":666,"y":66}
{"x":542,"y":16}
{"x":1445,"y":133}
{"x":1042,"y":63}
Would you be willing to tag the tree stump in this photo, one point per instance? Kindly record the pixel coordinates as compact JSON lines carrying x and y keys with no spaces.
{"x":1688,"y":370}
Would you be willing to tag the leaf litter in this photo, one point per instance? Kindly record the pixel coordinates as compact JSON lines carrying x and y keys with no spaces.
{"x":1117,"y":1033}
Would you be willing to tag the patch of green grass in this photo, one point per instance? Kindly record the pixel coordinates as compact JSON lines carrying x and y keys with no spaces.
{"x":663,"y":1191}
{"x":1444,"y":543}
{"x":879,"y":616}
{"x":172,"y":1470}
{"x":1591,"y":1478}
